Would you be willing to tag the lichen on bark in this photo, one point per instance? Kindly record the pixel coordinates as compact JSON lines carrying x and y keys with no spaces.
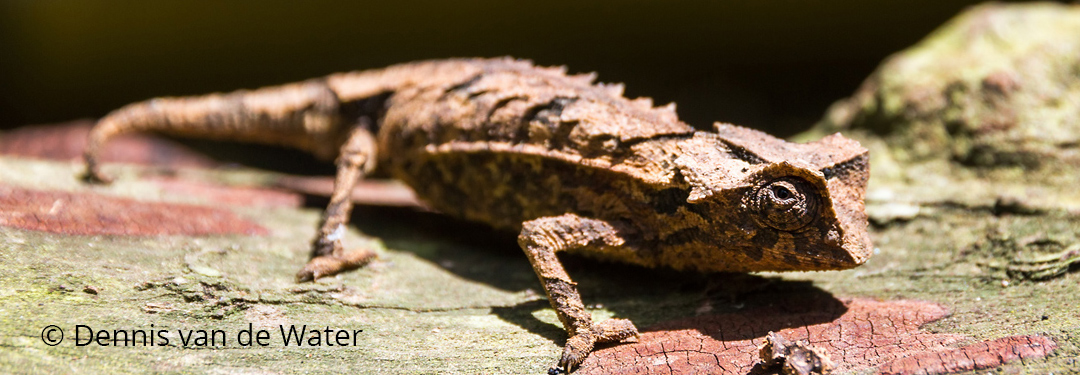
{"x":992,"y":97}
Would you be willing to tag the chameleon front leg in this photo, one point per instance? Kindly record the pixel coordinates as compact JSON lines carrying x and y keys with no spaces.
{"x":541,"y":239}
{"x":329,"y":257}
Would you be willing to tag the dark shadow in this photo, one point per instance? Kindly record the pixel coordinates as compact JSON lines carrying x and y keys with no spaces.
{"x":268,"y":157}
{"x":781,"y":304}
{"x":521,"y":315}
{"x":725,"y":306}
{"x":784,"y":304}
{"x":470,"y":250}
{"x":760,"y":369}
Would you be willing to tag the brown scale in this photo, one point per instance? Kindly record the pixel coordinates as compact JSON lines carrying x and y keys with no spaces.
{"x":571,"y":164}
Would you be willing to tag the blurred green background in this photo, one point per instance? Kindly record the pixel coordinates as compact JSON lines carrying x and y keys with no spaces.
{"x":774,"y":65}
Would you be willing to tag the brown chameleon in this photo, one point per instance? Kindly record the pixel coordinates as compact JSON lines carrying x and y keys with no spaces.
{"x":570,"y":164}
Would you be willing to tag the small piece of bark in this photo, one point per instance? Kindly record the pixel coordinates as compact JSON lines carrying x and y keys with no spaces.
{"x":794,"y":358}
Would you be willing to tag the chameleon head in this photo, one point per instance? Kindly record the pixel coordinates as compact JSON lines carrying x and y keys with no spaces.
{"x":778,"y":206}
{"x":802,"y":219}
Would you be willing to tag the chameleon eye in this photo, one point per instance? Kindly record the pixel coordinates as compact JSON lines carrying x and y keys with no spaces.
{"x":786,"y":204}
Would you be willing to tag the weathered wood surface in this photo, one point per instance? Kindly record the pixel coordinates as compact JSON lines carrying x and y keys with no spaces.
{"x":975,"y":264}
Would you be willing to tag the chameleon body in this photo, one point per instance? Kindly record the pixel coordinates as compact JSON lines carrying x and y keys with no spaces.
{"x":570,"y":164}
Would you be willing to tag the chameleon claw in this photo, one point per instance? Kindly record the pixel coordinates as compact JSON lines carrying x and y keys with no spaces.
{"x":327,"y":265}
{"x":577,"y":348}
{"x":580,"y":345}
{"x":306,"y":275}
{"x":319,"y":267}
{"x":94,"y":176}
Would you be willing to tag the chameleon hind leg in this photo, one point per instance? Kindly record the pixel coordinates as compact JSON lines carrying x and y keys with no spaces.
{"x":541,"y":239}
{"x":329,"y":256}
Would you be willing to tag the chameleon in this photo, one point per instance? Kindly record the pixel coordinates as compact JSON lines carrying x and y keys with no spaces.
{"x":568,"y":163}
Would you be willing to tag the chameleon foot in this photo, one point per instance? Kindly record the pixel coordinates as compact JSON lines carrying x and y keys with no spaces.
{"x":327,"y":265}
{"x":580,"y":345}
{"x":93,"y":174}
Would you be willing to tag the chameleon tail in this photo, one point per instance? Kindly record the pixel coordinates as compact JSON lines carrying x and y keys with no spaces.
{"x":303,"y":115}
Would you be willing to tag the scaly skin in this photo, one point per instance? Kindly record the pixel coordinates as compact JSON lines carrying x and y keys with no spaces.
{"x":571,"y":164}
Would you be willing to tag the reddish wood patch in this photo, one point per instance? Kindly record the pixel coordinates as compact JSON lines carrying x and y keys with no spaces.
{"x":68,"y":140}
{"x":868,"y":334}
{"x":983,"y":355}
{"x":88,"y":214}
